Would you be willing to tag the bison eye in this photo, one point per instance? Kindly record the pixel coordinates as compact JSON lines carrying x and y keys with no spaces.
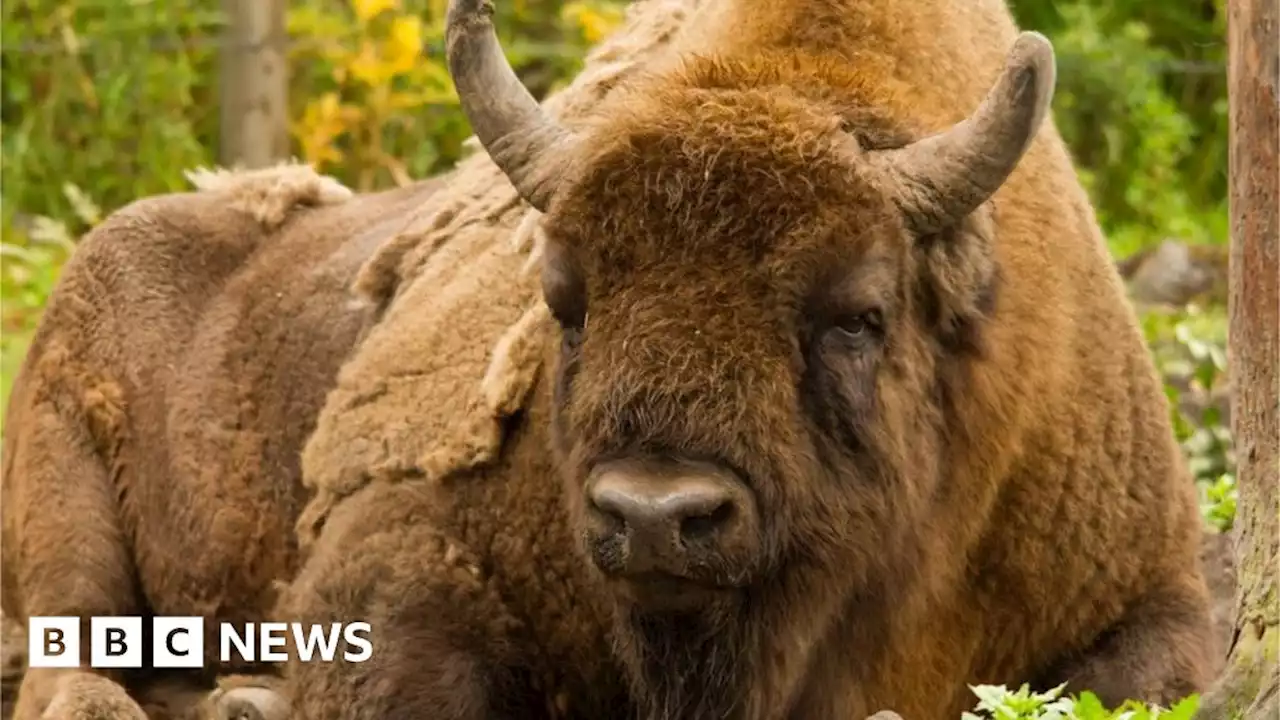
{"x":857,"y":329}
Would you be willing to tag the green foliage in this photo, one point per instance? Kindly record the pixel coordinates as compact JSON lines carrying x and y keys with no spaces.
{"x":1189,"y":348}
{"x":120,"y":97}
{"x":376,"y":112}
{"x":1218,"y":502}
{"x":1141,"y":101}
{"x":85,"y":100}
{"x":996,"y":702}
{"x":93,"y":117}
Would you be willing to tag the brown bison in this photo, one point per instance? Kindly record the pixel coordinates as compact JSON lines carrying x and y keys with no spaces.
{"x":150,"y":442}
{"x":845,"y":408}
{"x":834,"y":403}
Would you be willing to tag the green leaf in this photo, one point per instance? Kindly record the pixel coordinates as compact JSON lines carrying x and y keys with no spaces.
{"x":1185,"y":709}
{"x":1089,"y":707}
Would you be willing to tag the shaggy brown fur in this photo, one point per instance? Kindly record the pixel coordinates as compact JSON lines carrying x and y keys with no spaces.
{"x":986,"y":491}
{"x":151,"y":444}
{"x":150,"y":453}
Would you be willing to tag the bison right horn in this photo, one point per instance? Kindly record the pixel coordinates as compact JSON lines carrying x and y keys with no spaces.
{"x":519,"y":135}
{"x":942,"y":178}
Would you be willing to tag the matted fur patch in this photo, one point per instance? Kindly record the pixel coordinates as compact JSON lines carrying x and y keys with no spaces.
{"x":269,"y":194}
{"x":459,"y":343}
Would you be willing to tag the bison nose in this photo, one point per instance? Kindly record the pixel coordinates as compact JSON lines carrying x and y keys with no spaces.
{"x":693,"y":508}
{"x":675,"y":521}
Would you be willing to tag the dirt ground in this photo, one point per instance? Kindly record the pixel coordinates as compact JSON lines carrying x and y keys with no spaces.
{"x":1216,"y":554}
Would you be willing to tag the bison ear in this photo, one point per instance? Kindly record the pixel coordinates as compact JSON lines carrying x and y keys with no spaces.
{"x":960,"y":280}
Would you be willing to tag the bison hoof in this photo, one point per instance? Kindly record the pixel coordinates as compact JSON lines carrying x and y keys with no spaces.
{"x":249,"y":703}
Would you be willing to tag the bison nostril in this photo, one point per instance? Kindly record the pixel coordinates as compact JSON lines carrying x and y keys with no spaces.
{"x":611,"y":518}
{"x":701,"y":527}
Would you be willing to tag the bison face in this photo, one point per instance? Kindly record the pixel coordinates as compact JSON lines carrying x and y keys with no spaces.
{"x":744,"y":374}
{"x":764,"y":286}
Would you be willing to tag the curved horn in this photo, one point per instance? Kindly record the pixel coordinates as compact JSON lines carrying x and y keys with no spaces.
{"x":946,"y":176}
{"x":513,"y":128}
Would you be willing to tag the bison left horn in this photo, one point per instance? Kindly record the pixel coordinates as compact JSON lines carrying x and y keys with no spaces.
{"x":942,"y":178}
{"x":520,"y":137}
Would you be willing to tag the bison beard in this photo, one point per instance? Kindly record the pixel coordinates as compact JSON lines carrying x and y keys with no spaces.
{"x":703,"y":664}
{"x":687,"y":665}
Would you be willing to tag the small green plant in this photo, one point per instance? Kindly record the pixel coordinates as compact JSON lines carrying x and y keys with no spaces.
{"x":1189,"y":348}
{"x":997,"y":702}
{"x":1218,"y":502}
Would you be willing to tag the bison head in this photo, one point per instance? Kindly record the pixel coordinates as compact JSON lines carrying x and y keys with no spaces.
{"x":764,"y":285}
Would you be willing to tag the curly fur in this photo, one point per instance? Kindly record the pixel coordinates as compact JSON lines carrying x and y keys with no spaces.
{"x":991,"y":495}
{"x":151,"y":447}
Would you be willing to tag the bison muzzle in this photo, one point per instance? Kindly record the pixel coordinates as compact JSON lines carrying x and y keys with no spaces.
{"x":667,"y":522}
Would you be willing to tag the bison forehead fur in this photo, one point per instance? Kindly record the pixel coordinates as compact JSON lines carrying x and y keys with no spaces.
{"x":721,"y":229}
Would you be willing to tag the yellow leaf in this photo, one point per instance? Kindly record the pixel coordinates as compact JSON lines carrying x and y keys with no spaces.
{"x":368,"y":68}
{"x":437,"y":9}
{"x":402,"y":101}
{"x":324,"y":120}
{"x":433,"y":73}
{"x":324,"y":116}
{"x":366,"y":10}
{"x":404,"y":43}
{"x":408,"y":101}
{"x":595,"y":22}
{"x":336,"y":55}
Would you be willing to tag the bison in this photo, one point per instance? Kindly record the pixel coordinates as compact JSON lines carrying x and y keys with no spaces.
{"x":831,"y":402}
{"x":149,"y":441}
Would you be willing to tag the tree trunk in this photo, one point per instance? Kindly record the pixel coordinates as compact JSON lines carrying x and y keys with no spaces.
{"x":254,"y":82}
{"x":1250,"y":686}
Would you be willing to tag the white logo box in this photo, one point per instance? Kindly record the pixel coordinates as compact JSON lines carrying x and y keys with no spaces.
{"x":115,"y":642}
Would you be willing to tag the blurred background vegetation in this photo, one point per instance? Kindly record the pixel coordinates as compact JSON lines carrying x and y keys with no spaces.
{"x":108,"y":100}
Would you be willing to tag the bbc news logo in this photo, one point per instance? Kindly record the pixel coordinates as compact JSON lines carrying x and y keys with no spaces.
{"x":178,"y":642}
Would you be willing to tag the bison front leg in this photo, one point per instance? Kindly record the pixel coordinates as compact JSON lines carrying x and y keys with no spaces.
{"x":442,"y":640}
{"x":1160,"y":651}
{"x":65,"y":552}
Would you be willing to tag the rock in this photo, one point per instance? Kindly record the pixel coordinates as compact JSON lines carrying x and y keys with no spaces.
{"x":1172,"y":273}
